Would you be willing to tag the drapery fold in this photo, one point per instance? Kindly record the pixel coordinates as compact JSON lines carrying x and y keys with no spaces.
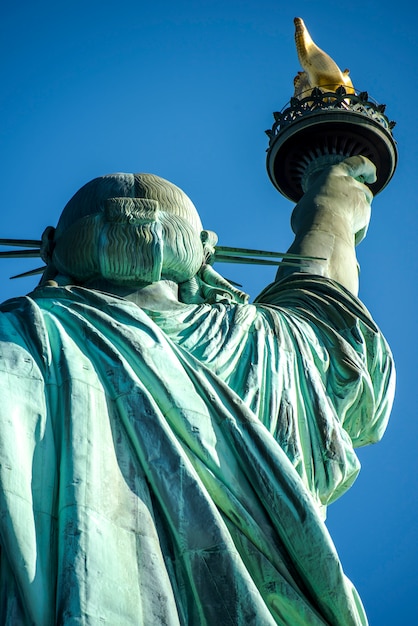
{"x":173,"y":467}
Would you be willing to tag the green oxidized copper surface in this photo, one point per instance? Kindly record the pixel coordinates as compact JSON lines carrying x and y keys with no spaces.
{"x":171,"y":463}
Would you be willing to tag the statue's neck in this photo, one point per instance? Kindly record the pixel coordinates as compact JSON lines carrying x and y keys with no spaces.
{"x":159,"y":296}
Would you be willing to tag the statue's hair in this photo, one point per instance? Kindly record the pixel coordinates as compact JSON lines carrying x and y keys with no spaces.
{"x":128,"y":249}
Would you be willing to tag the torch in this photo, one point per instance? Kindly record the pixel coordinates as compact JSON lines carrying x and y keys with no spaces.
{"x":326,"y":121}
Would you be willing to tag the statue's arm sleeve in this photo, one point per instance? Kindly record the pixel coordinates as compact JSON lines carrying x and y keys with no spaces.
{"x":358,"y":375}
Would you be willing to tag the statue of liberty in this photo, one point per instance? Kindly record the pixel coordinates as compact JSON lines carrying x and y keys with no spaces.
{"x":168,"y":450}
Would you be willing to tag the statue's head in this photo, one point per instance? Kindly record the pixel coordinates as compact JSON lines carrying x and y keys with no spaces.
{"x":128,"y":228}
{"x":134,"y":229}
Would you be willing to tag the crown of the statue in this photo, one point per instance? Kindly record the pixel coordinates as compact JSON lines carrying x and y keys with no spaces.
{"x":117,"y":196}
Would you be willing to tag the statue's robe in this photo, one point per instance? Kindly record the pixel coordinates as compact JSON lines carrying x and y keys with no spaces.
{"x":173,"y":468}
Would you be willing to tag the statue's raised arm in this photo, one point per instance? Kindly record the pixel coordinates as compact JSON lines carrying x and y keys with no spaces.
{"x":331,"y":219}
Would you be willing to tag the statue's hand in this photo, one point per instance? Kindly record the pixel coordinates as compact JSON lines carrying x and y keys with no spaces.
{"x":359,"y":167}
{"x":361,"y":170}
{"x":338,"y":201}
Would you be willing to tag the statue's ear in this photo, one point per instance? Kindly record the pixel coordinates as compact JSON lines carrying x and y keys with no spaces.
{"x":209,"y":240}
{"x":47,"y":244}
{"x":209,"y":237}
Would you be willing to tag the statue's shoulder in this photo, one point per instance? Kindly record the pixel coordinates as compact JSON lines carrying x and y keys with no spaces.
{"x":12,"y":312}
{"x":21,"y":308}
{"x":19,"y":348}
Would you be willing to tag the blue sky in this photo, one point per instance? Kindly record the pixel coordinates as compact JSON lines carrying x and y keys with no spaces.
{"x":185,"y":90}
